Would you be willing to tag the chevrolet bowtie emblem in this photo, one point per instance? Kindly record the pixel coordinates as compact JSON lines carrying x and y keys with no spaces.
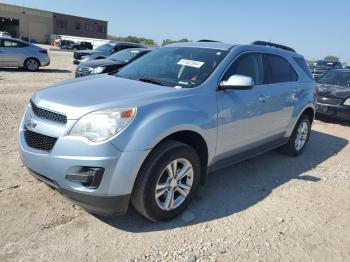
{"x":30,"y":124}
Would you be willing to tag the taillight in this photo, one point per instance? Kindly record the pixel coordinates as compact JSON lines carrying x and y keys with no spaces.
{"x":44,"y":51}
{"x":317,"y":89}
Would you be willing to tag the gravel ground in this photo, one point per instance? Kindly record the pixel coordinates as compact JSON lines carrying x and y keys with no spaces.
{"x":270,"y":208}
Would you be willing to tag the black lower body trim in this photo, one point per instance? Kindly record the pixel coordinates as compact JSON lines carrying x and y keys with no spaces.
{"x":99,"y":205}
{"x":244,"y":155}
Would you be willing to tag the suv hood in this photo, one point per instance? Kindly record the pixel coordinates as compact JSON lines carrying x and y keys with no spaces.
{"x":87,"y":52}
{"x":100,"y":62}
{"x":334,"y":91}
{"x":79,"y":96}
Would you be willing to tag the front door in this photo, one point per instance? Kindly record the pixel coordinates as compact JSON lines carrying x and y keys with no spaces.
{"x":241,"y":113}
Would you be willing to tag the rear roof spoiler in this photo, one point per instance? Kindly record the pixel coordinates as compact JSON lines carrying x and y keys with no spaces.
{"x":269,"y":44}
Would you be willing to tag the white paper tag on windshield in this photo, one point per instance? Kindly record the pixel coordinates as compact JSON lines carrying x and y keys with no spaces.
{"x":191,"y":63}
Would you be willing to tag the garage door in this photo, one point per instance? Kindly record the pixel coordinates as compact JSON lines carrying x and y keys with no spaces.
{"x":38,"y":32}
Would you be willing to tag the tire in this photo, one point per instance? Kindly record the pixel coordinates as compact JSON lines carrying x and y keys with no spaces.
{"x":292,"y":148}
{"x":31,"y":64}
{"x":156,"y":171}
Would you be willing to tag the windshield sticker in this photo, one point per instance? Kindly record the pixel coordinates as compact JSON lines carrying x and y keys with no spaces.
{"x":191,"y":63}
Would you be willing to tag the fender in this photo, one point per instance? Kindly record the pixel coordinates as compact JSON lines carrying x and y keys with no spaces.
{"x":304,"y":102}
{"x":153,"y":124}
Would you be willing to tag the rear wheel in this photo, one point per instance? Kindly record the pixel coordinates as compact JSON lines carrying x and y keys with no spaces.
{"x":167,"y":181}
{"x":299,"y":138}
{"x":31,"y":64}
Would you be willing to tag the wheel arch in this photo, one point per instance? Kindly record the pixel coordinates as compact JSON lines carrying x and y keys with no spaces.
{"x":193,"y":139}
{"x":308,"y":110}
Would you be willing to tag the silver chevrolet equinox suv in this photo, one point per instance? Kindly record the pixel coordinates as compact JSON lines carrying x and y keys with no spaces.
{"x":151,"y":133}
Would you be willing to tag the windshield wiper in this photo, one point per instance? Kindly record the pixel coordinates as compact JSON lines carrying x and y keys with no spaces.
{"x":149,"y":80}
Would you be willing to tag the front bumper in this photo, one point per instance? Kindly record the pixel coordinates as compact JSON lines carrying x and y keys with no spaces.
{"x":340,"y":112}
{"x":69,"y":155}
{"x":100,"y":205}
{"x":45,"y":61}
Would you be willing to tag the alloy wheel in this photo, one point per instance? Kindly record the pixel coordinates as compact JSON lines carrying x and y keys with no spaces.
{"x":302,"y":133}
{"x":174,"y":184}
{"x":32,"y":64}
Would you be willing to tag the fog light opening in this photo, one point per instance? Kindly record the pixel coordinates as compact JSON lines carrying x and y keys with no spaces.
{"x":89,"y":177}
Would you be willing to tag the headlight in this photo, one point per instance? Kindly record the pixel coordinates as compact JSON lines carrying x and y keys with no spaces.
{"x":97,"y":70}
{"x":84,"y":58}
{"x":347,"y":102}
{"x":101,"y":125}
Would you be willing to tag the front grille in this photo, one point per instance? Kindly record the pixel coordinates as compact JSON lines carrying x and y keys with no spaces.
{"x":79,"y":55}
{"x":83,"y":71}
{"x":329,"y":100}
{"x":49,"y":115}
{"x":39,"y":141}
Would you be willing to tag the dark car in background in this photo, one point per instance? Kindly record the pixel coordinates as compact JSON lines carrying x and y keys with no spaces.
{"x":80,"y":46}
{"x":323,"y":66}
{"x":67,"y":44}
{"x":102,"y":51}
{"x":334,"y":96}
{"x":111,"y":64}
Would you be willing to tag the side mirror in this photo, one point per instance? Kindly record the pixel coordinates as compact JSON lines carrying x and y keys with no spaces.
{"x":237,"y":82}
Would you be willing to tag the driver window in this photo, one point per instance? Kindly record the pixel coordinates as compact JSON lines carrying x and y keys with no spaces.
{"x":247,"y":65}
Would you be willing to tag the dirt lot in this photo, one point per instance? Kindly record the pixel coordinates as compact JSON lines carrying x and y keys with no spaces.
{"x":270,"y":208}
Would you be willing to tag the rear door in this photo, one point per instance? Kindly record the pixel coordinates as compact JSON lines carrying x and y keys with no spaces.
{"x":13,"y":52}
{"x":278,"y":93}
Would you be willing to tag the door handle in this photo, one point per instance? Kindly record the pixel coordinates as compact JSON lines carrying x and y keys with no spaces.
{"x":263,"y":98}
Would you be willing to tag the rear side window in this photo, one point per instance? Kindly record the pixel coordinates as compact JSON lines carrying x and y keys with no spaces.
{"x":277,"y":70}
{"x":302,"y":63}
{"x":247,"y":65}
{"x":12,"y":43}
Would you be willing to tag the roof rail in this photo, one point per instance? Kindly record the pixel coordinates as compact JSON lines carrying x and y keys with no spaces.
{"x":269,"y":44}
{"x":207,"y":40}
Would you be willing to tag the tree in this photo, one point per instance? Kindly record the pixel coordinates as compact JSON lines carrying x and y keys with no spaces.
{"x":331,"y":58}
{"x":170,"y":41}
{"x":310,"y":62}
{"x":133,"y":39}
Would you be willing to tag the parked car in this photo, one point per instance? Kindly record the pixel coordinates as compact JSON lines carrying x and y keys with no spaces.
{"x":334,"y":97}
{"x":322,"y":66}
{"x":80,"y":46}
{"x":112,"y":63}
{"x":5,"y":34}
{"x":67,"y":44}
{"x":153,"y":131}
{"x":17,"y":53}
{"x":102,"y":51}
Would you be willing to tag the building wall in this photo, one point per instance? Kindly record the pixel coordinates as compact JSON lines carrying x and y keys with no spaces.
{"x":79,"y":26}
{"x":37,"y":25}
{"x":34,"y":25}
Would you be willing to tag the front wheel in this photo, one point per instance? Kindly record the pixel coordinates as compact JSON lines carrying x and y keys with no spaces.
{"x":167,"y":181}
{"x":299,"y":138}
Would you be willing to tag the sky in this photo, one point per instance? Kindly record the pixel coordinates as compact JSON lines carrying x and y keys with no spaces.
{"x":313,"y":28}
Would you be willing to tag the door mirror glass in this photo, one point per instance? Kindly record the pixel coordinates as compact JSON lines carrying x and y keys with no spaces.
{"x":238,"y":82}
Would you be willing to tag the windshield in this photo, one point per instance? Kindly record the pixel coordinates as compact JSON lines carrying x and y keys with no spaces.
{"x":104,"y":47}
{"x":339,"y":78}
{"x":321,"y":63}
{"x":124,"y":56}
{"x":175,"y":66}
